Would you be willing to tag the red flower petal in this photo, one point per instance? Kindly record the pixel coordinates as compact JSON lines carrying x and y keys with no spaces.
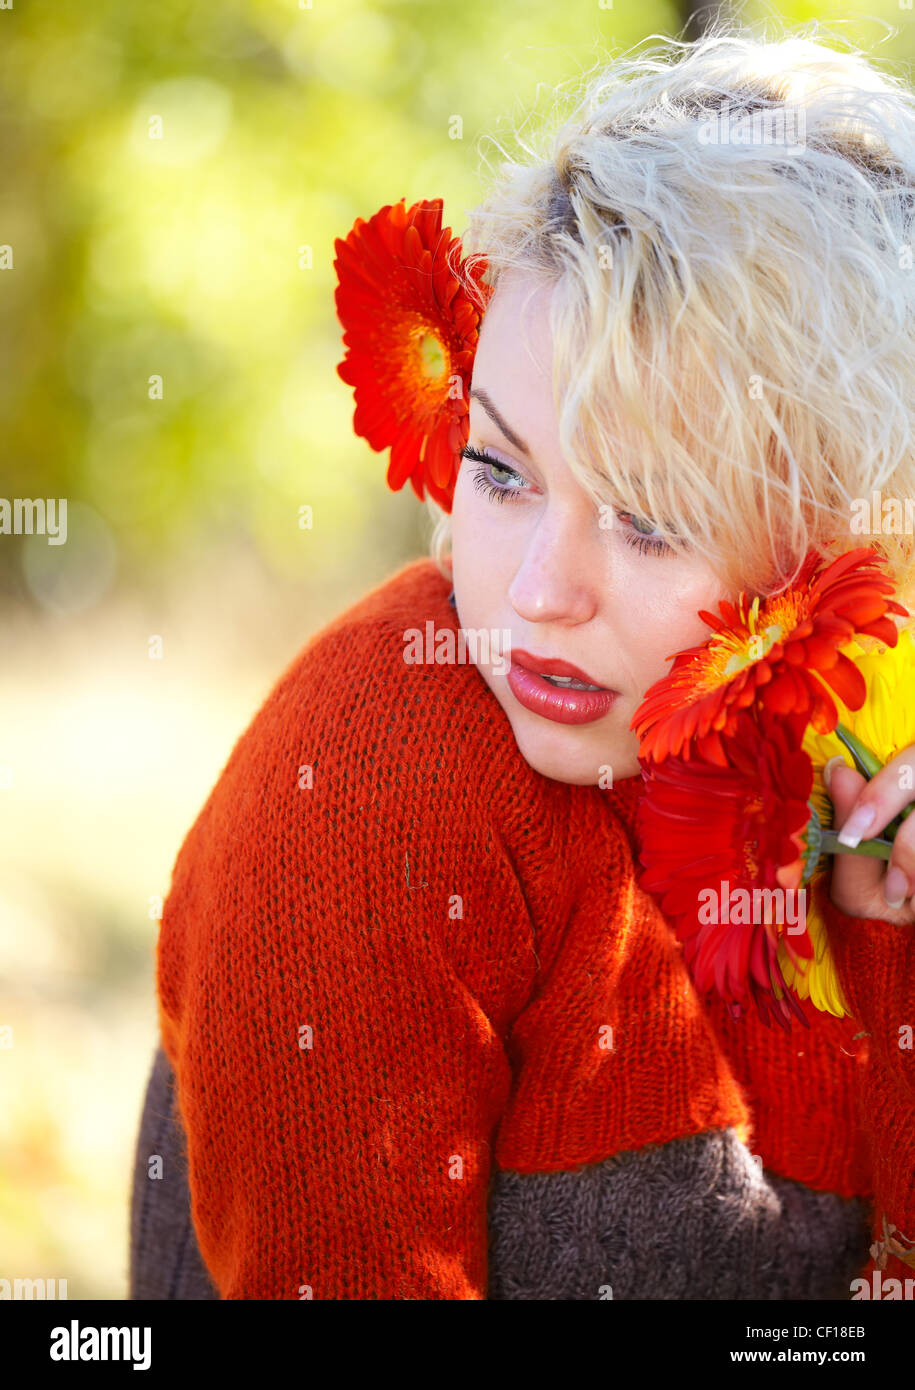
{"x":742,"y":823}
{"x":411,"y":326}
{"x":706,"y":688}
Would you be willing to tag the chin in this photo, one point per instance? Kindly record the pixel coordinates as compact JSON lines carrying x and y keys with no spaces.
{"x":571,"y":753}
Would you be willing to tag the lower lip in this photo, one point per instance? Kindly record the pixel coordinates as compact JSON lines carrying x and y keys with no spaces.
{"x":565,"y":706}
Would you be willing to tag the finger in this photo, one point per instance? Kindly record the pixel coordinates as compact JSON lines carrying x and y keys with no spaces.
{"x":881,"y":799}
{"x":901,"y":771}
{"x":855,"y":878}
{"x":900,"y":874}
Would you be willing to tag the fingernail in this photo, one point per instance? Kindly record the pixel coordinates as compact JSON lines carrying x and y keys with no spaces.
{"x":896,"y":887}
{"x":861,"y":819}
{"x":828,"y":768}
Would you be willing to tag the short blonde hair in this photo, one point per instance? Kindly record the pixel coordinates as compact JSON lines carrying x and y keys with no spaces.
{"x":727,"y":225}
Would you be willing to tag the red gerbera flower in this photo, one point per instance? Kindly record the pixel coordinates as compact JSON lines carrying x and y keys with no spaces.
{"x":777,"y":652}
{"x":410,"y":330}
{"x":712,"y":839}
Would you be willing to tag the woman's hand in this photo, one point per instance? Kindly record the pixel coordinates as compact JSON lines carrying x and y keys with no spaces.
{"x":862,"y":886}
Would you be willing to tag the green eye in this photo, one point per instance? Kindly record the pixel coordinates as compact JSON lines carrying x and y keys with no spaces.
{"x":643,"y":533}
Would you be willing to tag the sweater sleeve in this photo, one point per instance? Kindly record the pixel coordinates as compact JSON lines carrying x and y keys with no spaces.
{"x":346,"y":940}
{"x":632,"y":1157}
{"x":875,"y":961}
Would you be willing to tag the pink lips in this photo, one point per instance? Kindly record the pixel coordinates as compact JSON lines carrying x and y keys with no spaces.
{"x":564,"y":706}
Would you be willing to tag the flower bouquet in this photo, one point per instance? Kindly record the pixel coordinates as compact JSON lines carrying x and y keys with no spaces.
{"x":735,"y":821}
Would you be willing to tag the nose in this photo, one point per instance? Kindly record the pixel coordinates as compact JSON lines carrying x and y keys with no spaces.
{"x":559,"y":575}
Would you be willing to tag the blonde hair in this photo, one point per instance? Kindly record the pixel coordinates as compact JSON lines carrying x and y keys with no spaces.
{"x":732,"y":323}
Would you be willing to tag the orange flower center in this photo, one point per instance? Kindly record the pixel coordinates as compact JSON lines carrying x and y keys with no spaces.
{"x":433,"y":357}
{"x":730,"y":652}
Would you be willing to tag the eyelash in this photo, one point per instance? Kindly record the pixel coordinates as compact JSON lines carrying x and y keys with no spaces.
{"x":481,"y":481}
{"x":653,"y":545}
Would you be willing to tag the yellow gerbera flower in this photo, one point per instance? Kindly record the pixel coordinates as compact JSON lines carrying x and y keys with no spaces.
{"x":885,"y":724}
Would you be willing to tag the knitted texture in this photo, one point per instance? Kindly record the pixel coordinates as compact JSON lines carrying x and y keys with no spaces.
{"x":692,"y":1219}
{"x":801,"y":1085}
{"x":396,"y":961}
{"x":165,"y":1262}
{"x":875,"y":962}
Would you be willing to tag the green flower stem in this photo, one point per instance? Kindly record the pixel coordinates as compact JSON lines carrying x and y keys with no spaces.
{"x":868,"y":765}
{"x":873,"y":849}
{"x":865,"y":761}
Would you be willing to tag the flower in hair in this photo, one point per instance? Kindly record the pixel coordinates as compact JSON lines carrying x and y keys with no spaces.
{"x":409,"y":306}
{"x":779,"y":651}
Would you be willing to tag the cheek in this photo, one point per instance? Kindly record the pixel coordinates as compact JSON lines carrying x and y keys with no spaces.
{"x":468,"y":555}
{"x":462,"y":530}
{"x":480,"y":546}
{"x":658,"y":617}
{"x":461,"y":504}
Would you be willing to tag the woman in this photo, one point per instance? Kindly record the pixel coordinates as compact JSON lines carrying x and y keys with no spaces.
{"x":426,"y":1036}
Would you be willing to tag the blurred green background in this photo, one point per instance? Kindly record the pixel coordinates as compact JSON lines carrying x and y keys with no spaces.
{"x":178,"y":255}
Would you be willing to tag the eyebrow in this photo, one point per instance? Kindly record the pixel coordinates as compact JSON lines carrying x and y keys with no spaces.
{"x":486,"y":402}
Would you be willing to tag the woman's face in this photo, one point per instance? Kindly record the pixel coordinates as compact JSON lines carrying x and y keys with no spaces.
{"x":530,"y":556}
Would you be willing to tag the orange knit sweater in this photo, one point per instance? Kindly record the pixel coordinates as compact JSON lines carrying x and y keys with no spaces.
{"x":396,"y":964}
